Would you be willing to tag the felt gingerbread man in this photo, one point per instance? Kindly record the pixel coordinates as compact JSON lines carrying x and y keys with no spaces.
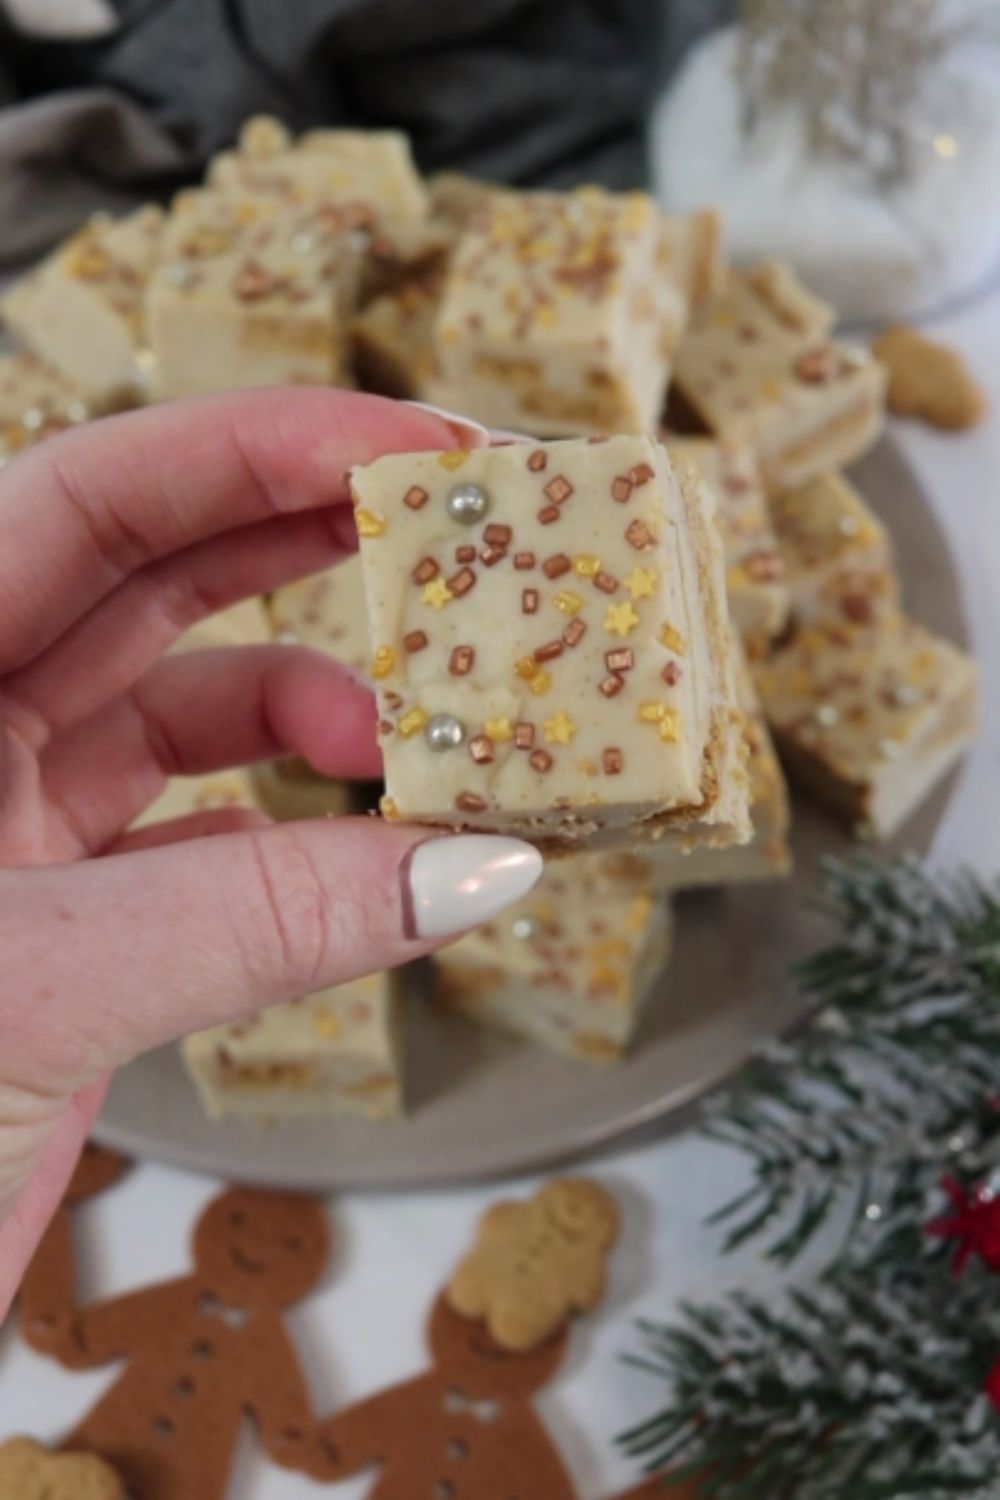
{"x":204,"y":1352}
{"x":466,"y":1429}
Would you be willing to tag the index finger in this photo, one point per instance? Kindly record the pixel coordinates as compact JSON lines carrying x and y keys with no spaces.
{"x":80,"y":513}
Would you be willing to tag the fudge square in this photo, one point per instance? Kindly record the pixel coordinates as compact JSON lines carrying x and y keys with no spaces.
{"x":755,"y":569}
{"x":184,"y":795}
{"x":760,"y":367}
{"x":82,"y":309}
{"x":36,"y":402}
{"x":869,"y":716}
{"x":555,"y":319}
{"x":837,"y":555}
{"x":569,"y":968}
{"x":337,"y":1052}
{"x":326,"y":611}
{"x":393,"y":336}
{"x":251,"y":291}
{"x":551,"y":642}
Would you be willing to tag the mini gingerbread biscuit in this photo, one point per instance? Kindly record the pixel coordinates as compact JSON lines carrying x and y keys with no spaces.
{"x":537,"y":1262}
{"x":30,"y":1472}
{"x":928,"y":380}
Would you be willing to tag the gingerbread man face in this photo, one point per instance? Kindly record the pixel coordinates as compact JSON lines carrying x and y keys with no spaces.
{"x":261,"y":1249}
{"x":471,"y":1360}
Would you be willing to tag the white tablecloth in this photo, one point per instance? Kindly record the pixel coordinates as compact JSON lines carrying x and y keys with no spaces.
{"x":363,"y":1328}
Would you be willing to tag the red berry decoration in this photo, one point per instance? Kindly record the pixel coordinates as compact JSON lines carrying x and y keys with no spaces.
{"x":975,"y":1224}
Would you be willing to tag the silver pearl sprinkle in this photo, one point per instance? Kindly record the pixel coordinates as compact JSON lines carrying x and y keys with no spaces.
{"x":905,"y":695}
{"x":444,"y":732}
{"x":467,"y":503}
{"x":77,"y":411}
{"x":525,"y":928}
{"x":33,"y":419}
{"x":827,"y":715}
{"x":889,"y":749}
{"x":179,"y":274}
{"x":848,"y":525}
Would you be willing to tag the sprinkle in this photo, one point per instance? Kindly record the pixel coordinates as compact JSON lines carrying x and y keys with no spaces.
{"x":368,"y":523}
{"x":462,"y":582}
{"x":497,"y":535}
{"x":651,"y":712}
{"x":425,"y":570}
{"x":383,"y":661}
{"x":606,"y":583}
{"x":412,"y":722}
{"x":453,"y":459}
{"x":574,"y":632}
{"x":558,"y":489}
{"x":460,"y":661}
{"x":481,"y":750}
{"x":612,"y":685}
{"x":490,"y":556}
{"x":568,"y":603}
{"x":385,"y":728}
{"x":671,"y":673}
{"x":540,"y":684}
{"x":611,"y":760}
{"x":529,"y":601}
{"x":540,"y":760}
{"x":621,"y":488}
{"x":638,"y":535}
{"x":465,"y":553}
{"x":415,"y":640}
{"x":549,"y":651}
{"x":669,"y":728}
{"x":619,"y":660}
{"x":548,"y":514}
{"x":526,"y":667}
{"x":620,"y":619}
{"x":559,"y":729}
{"x":586,"y":766}
{"x":415,"y":497}
{"x":499,"y":730}
{"x":470,"y":802}
{"x":640,"y":583}
{"x":557,"y":565}
{"x":327,"y":1026}
{"x":586,"y":566}
{"x":524,"y":736}
{"x":537,"y":460}
{"x":437,"y":594}
{"x":817,"y":366}
{"x":764,"y":566}
{"x":524,"y":560}
{"x":640,"y":474}
{"x":672,"y":639}
{"x":598,"y":437}
{"x":387,"y":807}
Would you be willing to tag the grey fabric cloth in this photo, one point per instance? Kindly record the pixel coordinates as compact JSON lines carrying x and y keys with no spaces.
{"x":527,"y":91}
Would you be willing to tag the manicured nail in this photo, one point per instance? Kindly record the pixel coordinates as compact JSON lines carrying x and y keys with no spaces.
{"x":469,"y":434}
{"x":451,"y":884}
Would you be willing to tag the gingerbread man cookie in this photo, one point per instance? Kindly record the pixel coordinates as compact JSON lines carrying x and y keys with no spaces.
{"x":928,"y":380}
{"x":30,"y":1472}
{"x":537,"y":1262}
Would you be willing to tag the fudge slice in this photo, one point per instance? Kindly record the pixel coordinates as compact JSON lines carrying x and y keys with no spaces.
{"x":327,"y":612}
{"x":184,"y":795}
{"x":569,"y":968}
{"x":551,"y":643}
{"x":456,"y":197}
{"x":338,"y":1052}
{"x":837,"y":554}
{"x":251,"y":291}
{"x":755,"y":570}
{"x":36,"y":402}
{"x":82,"y":309}
{"x":555,"y":318}
{"x":760,"y":368}
{"x":242,"y":624}
{"x":869,"y":716}
{"x":393,"y":337}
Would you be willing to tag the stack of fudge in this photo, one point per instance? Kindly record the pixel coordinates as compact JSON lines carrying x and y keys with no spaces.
{"x":611,"y":634}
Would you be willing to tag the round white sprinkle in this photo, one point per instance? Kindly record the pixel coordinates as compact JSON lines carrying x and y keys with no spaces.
{"x":827,"y":715}
{"x":33,"y":419}
{"x":467,"y":503}
{"x":77,"y":411}
{"x":444,"y":732}
{"x":525,"y":928}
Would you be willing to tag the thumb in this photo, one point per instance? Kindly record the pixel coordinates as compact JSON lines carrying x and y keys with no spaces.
{"x":105,"y":959}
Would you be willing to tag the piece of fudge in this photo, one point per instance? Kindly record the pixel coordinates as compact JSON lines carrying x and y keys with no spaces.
{"x":869,"y":716}
{"x":456,"y":197}
{"x":569,"y":968}
{"x":755,"y":569}
{"x":760,"y":367}
{"x":837,"y":554}
{"x":251,"y":291}
{"x":393,"y":336}
{"x":184,"y":795}
{"x":690,"y":259}
{"x":555,"y":318}
{"x":242,"y":624}
{"x":82,"y":309}
{"x":550,"y":643}
{"x":36,"y":402}
{"x":338,"y":1052}
{"x":327,"y":612}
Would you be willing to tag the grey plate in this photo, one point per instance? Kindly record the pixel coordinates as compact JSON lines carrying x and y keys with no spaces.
{"x":482,"y":1105}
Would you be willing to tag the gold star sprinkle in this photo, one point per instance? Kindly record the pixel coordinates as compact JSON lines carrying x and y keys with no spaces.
{"x":383,"y":661}
{"x":368,"y":523}
{"x":540,"y":684}
{"x":526,"y":667}
{"x":585,"y":565}
{"x":411,"y":723}
{"x":387,"y":807}
{"x":621,"y":619}
{"x":650,"y":713}
{"x":559,"y":730}
{"x":640,"y":583}
{"x":453,"y":459}
{"x":327,"y":1025}
{"x":586,"y":766}
{"x":499,"y":730}
{"x":568,"y":603}
{"x":672,"y":639}
{"x":437,"y":593}
{"x":669,"y":727}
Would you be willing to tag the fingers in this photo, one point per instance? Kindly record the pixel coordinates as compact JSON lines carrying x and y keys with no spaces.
{"x":102,"y":960}
{"x":203,"y":711}
{"x":88,"y":509}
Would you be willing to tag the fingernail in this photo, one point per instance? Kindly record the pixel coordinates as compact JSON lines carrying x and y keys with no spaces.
{"x":499,"y":437}
{"x":470,"y":434}
{"x":451,"y":884}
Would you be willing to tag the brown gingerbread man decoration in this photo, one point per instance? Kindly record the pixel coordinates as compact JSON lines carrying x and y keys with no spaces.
{"x":467,"y":1429}
{"x":204,"y":1352}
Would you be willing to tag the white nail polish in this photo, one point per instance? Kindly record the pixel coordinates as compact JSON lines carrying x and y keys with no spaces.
{"x":453,"y":883}
{"x":469,"y":433}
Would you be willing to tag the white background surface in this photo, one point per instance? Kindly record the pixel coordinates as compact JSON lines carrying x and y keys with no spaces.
{"x":363,"y":1328}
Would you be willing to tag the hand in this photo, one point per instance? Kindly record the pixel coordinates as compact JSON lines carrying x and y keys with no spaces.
{"x":113,"y":539}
